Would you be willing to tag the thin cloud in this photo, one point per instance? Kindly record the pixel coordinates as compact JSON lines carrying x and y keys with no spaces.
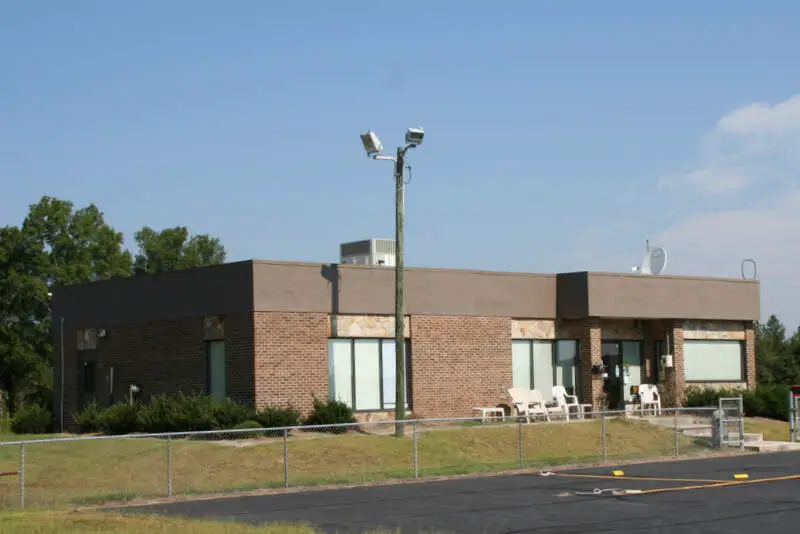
{"x":750,"y":167}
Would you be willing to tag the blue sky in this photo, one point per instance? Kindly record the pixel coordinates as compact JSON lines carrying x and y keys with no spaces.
{"x":559,"y":135}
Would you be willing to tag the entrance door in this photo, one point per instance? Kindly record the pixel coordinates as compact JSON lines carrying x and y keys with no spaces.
{"x":623,"y":360}
{"x":87,"y":378}
{"x":613,"y":385}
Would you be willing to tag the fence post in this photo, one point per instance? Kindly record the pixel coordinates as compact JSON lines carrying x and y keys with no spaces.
{"x":603,"y":420}
{"x":521,"y":446}
{"x":22,"y":475}
{"x":791,"y":416}
{"x":285,"y":457}
{"x":169,"y":465}
{"x":416,"y":448}
{"x":677,"y":436}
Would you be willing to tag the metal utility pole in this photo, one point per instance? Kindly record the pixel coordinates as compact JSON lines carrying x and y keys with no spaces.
{"x":399,"y":294}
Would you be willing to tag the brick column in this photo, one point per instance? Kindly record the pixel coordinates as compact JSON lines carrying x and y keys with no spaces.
{"x":750,"y":355}
{"x":591,"y":354}
{"x":674,"y":380}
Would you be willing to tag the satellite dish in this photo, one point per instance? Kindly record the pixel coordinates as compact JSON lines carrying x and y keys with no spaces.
{"x":655,"y":261}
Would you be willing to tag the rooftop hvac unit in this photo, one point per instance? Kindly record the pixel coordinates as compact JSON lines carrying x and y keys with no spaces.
{"x":376,"y":251}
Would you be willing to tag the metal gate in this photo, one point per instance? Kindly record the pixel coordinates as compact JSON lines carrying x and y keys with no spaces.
{"x":731,"y":421}
{"x":794,"y":414}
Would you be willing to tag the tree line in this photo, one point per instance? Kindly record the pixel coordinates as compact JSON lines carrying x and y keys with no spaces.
{"x":58,"y":244}
{"x":777,"y":353}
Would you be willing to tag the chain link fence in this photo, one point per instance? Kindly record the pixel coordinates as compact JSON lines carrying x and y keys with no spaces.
{"x":104,"y":469}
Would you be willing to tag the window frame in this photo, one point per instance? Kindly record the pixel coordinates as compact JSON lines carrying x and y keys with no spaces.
{"x":351,"y":342}
{"x":554,"y":360}
{"x":742,"y":361}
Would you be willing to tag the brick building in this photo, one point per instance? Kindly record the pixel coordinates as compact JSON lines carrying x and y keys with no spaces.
{"x":277,"y":333}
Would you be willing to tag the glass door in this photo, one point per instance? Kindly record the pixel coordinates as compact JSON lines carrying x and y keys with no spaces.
{"x":613,"y":384}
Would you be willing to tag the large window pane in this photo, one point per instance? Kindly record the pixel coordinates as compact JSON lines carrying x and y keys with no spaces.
{"x":567,"y":363}
{"x":712,"y":361}
{"x":543,"y":368}
{"x":341,"y":369}
{"x":216,"y":369}
{"x":521,"y":364}
{"x":632,"y":365}
{"x":389,"y":374}
{"x":368,"y":374}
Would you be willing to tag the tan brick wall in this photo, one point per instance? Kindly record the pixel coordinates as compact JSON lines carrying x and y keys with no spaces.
{"x":291,"y":359}
{"x":673,"y":380}
{"x":162,"y":357}
{"x":750,"y":355}
{"x":458,"y":363}
{"x":591,"y":354}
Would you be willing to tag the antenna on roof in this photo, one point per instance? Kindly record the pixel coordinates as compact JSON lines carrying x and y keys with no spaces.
{"x":654,"y":262}
{"x":755,"y":269}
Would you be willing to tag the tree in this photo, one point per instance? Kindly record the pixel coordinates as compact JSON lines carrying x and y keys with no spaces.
{"x":172,"y":249}
{"x":54,"y":245}
{"x":776,"y":362}
{"x":20,"y":311}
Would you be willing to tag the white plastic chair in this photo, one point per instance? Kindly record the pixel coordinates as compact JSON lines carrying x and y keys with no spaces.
{"x":544,"y":406}
{"x":528,"y":404}
{"x":650,"y":398}
{"x":567,"y":402}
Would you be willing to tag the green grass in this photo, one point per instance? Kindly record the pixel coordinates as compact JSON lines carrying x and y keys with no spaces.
{"x":93,"y":472}
{"x":82,"y":522}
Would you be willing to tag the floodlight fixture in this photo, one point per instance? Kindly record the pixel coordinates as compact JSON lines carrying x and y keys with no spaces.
{"x":372,"y":145}
{"x":414,"y":136}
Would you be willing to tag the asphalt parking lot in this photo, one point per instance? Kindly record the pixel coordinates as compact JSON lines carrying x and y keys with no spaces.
{"x":676,"y":497}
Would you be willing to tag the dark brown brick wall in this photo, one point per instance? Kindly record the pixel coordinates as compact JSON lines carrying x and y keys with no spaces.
{"x":161,"y":357}
{"x":458,"y":363}
{"x":291,"y":358}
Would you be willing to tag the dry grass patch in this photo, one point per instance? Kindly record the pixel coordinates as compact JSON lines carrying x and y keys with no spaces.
{"x":94,"y":522}
{"x":772,"y":429}
{"x":91,"y":472}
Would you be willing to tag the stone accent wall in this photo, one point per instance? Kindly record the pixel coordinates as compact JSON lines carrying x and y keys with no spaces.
{"x":622,"y":330}
{"x":291,"y":359}
{"x":733,"y":330}
{"x":371,"y":326}
{"x":459,"y":363}
{"x":718,"y":385}
{"x":533,"y":329}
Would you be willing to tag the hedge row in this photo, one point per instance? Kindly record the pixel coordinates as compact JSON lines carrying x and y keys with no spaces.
{"x":767,"y":400}
{"x":183,"y":413}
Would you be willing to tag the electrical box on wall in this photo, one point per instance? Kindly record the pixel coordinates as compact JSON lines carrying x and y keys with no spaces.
{"x":666,"y":361}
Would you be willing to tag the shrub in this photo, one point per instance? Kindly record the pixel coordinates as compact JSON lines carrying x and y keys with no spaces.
{"x":119,"y":419}
{"x":89,"y":419}
{"x":331,"y":412}
{"x":158,"y":415}
{"x":271,"y":417}
{"x":228,"y":413}
{"x":193,"y":413}
{"x":248,"y":425}
{"x":32,"y":419}
{"x":767,"y":400}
